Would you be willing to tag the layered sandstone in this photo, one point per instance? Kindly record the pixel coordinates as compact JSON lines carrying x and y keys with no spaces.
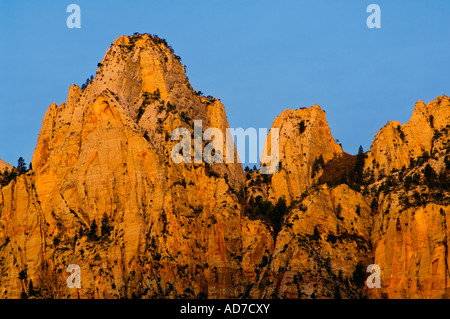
{"x":105,"y":194}
{"x":323,"y":248}
{"x":395,"y":145}
{"x":103,"y":158}
{"x":304,"y":139}
{"x":398,"y":226}
{"x":410,"y":246}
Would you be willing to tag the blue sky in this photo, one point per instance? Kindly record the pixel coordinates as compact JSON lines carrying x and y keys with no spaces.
{"x":258,"y":57}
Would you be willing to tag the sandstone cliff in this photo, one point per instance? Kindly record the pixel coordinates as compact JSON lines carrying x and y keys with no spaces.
{"x":395,"y":145}
{"x":397,"y":213}
{"x":322,"y":247}
{"x":105,"y":194}
{"x":305,"y":145}
{"x":412,"y":200}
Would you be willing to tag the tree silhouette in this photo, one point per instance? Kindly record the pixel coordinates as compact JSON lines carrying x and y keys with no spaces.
{"x":359,"y":166}
{"x":21,"y":166}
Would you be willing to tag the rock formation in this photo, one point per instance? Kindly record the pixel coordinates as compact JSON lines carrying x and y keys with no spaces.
{"x":4,"y":165}
{"x":395,"y":145}
{"x":305,"y":145}
{"x":105,"y":194}
{"x":395,"y":217}
{"x":410,"y":234}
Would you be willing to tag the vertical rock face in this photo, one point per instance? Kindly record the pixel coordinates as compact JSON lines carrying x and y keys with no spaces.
{"x":396,"y":218}
{"x":322,"y":247}
{"x":395,"y":145}
{"x":105,"y":194}
{"x":410,"y":232}
{"x":412,"y":203}
{"x":323,"y":243}
{"x":411,"y":249}
{"x":305,"y":145}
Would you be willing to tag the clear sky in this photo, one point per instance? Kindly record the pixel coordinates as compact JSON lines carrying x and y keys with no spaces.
{"x":259,"y":57}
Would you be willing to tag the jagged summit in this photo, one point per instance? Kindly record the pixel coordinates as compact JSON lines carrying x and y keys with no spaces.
{"x":104,"y":156}
{"x":137,"y":65}
{"x":105,"y":194}
{"x":426,"y":132}
{"x":305,"y":146}
{"x":141,"y":84}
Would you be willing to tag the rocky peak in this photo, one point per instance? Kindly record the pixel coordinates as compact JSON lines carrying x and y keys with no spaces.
{"x":140,"y":84}
{"x":305,"y":145}
{"x":103,"y":158}
{"x":104,"y":194}
{"x":395,"y":145}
